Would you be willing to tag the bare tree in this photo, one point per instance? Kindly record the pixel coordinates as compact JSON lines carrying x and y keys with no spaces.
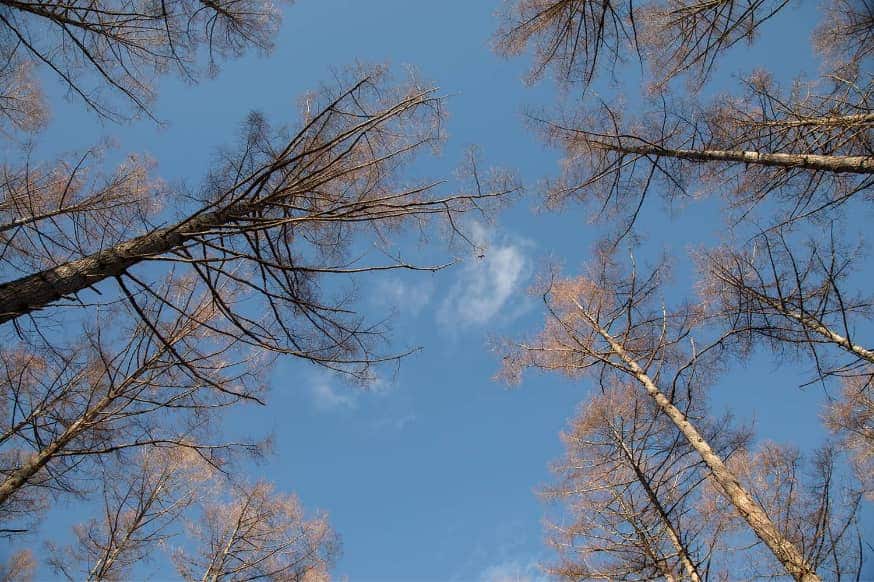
{"x":611,"y":323}
{"x":781,"y":158}
{"x":810,"y":146}
{"x":581,"y":38}
{"x":244,"y":259}
{"x":810,"y":504}
{"x":277,"y":216}
{"x":142,"y":501}
{"x":798,"y":301}
{"x":258,"y":534}
{"x":22,"y":104}
{"x":632,"y":492}
{"x":811,"y":152}
{"x":852,"y":418}
{"x":123,"y":388}
{"x":19,"y":568}
{"x":844,"y":37}
{"x":790,"y":297}
{"x":112,"y":49}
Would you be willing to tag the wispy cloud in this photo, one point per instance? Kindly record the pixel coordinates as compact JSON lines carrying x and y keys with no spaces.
{"x":485,"y":285}
{"x":331,"y":392}
{"x":513,"y":571}
{"x":404,"y":297}
{"x":327,"y":397}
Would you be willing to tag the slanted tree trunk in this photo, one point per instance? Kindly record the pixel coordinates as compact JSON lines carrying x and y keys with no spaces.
{"x":835,"y":164}
{"x":33,"y":292}
{"x":784,"y":550}
{"x":671,"y":531}
{"x":806,"y":320}
{"x":21,"y":476}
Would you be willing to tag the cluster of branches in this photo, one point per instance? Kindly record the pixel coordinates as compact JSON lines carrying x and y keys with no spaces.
{"x":108,"y":53}
{"x":134,"y":314}
{"x":580,"y":39}
{"x":782,"y":159}
{"x":809,"y":146}
{"x":636,"y":509}
{"x":654,"y":366}
{"x":244,"y":531}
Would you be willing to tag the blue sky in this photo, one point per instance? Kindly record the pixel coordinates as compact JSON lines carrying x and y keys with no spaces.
{"x":430,"y":474}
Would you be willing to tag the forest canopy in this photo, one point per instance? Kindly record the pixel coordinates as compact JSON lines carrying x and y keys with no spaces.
{"x":246,"y":269}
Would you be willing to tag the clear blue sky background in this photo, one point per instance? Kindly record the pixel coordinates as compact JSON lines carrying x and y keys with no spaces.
{"x":431,"y":475}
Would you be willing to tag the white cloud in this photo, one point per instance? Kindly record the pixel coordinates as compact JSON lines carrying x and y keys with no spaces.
{"x":486,"y":284}
{"x":405,"y":297}
{"x":326,"y":397}
{"x":331,"y":391}
{"x":513,"y":571}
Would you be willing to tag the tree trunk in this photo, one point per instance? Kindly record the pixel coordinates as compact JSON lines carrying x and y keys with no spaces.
{"x":815,"y":162}
{"x":19,"y":478}
{"x":673,"y":534}
{"x":33,"y":292}
{"x":784,"y":550}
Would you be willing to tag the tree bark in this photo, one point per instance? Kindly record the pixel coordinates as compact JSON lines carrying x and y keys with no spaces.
{"x":815,"y":162}
{"x":33,"y":292}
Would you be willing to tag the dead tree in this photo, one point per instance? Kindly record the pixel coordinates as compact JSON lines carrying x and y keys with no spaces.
{"x":108,"y":53}
{"x":851,"y":416}
{"x":809,"y":502}
{"x":811,"y":152}
{"x":632,"y":492}
{"x":257,"y":534}
{"x":22,"y":103}
{"x":791,"y":297}
{"x":20,"y":567}
{"x":798,"y":301}
{"x":122,"y":389}
{"x":142,"y":502}
{"x":273,"y":220}
{"x":610,"y":323}
{"x":844,"y":38}
{"x":809,"y":146}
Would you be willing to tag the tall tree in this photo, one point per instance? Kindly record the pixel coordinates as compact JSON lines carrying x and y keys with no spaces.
{"x":612,"y":323}
{"x":122,"y":389}
{"x":809,"y":146}
{"x":797,"y":299}
{"x":809,"y":150}
{"x":781,"y":159}
{"x":272,"y":219}
{"x":257,"y":534}
{"x":142,"y":501}
{"x":203,"y":286}
{"x":632,"y":492}
{"x":108,"y":53}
